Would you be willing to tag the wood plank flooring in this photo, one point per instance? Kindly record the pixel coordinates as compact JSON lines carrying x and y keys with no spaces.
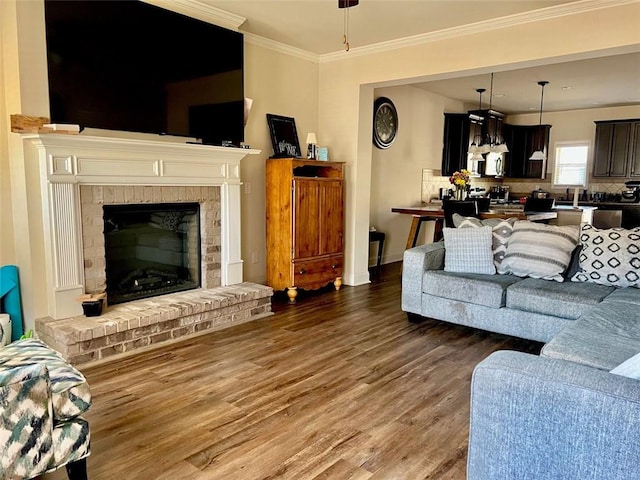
{"x":339,"y":386}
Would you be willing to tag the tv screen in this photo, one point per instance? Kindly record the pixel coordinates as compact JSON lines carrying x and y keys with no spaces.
{"x":132,"y":66}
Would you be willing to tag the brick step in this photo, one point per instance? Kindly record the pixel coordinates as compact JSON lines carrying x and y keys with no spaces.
{"x":143,"y":323}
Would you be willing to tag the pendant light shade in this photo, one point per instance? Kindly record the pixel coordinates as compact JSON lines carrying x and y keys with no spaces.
{"x":539,"y":154}
{"x":476,"y":148}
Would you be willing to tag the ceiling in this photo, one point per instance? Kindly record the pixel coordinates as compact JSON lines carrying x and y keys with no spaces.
{"x":317,"y":26}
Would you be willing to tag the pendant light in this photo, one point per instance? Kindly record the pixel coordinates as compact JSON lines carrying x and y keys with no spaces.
{"x":474,"y":148}
{"x":539,"y":154}
{"x":487,"y":143}
{"x":346,"y":4}
{"x":498,"y":144}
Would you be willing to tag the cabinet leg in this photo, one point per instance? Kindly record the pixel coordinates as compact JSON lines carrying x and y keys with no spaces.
{"x":337,"y":283}
{"x":292,"y":293}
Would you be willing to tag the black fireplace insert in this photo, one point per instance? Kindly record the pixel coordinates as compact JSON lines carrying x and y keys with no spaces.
{"x":151,"y":249}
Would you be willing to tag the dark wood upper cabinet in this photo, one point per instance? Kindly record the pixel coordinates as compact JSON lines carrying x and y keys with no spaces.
{"x":634,"y":164}
{"x":616,"y":149}
{"x":522,"y":141}
{"x":456,"y":141}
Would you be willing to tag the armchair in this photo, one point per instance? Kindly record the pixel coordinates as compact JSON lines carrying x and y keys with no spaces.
{"x":41,"y":400}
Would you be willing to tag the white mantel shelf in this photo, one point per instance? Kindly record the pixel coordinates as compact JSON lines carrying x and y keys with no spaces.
{"x":68,"y":161}
{"x":109,"y":160}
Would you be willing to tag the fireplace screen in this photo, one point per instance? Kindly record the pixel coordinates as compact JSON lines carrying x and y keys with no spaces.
{"x":151,"y":249}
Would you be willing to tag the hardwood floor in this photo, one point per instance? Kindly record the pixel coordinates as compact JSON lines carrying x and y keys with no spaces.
{"x":339,"y":386}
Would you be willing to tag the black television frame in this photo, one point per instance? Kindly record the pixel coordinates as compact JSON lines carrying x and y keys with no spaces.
{"x":120,"y":95}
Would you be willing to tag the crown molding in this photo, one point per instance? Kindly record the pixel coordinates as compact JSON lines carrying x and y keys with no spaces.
{"x":547,"y":13}
{"x":201,"y":11}
{"x":281,"y":47}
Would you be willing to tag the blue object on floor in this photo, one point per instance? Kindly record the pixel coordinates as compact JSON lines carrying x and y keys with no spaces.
{"x":10,"y":298}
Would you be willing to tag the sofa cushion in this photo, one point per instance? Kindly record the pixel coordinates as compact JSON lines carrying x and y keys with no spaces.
{"x":609,"y":257}
{"x":625,"y":295}
{"x":540,"y":251}
{"x":560,"y":300}
{"x":70,"y":392}
{"x":629,"y":368}
{"x":604,"y":337}
{"x":501,"y":230}
{"x":487,"y":290}
{"x":468,"y":250}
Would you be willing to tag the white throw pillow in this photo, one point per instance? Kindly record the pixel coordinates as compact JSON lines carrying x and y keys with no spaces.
{"x":629,"y":368}
{"x":468,"y":250}
{"x":609,"y":257}
{"x":502,"y":228}
{"x":539,"y":250}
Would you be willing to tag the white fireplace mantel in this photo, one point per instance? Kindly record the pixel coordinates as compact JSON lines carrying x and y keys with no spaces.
{"x":68,"y":161}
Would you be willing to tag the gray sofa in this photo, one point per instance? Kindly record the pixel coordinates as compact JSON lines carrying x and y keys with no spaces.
{"x":560,"y":415}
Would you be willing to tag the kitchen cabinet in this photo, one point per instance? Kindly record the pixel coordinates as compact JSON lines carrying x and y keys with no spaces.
{"x":305,"y":224}
{"x":522,"y":141}
{"x":455,"y":144}
{"x":617,"y":149}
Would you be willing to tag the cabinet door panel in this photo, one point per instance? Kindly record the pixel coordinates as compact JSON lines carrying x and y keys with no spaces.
{"x":635,"y":151}
{"x":604,"y":134}
{"x":306,"y":204}
{"x":619,"y":154}
{"x":331,"y":217}
{"x":455,"y":143}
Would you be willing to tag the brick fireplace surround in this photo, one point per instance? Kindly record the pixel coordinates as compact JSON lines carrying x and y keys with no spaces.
{"x":80,"y":174}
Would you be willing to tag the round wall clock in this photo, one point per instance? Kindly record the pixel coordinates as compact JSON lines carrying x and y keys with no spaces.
{"x":385,"y":122}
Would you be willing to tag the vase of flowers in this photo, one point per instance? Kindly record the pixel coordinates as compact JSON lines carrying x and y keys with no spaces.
{"x":460,"y":182}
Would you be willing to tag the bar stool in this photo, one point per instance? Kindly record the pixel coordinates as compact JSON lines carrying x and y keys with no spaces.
{"x":376,"y":236}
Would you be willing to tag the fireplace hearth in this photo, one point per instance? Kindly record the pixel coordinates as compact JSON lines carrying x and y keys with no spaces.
{"x":151,"y":249}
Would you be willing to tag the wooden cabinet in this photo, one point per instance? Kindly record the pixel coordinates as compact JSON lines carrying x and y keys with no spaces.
{"x":522,"y":141}
{"x":305,"y":224}
{"x":455,"y":144}
{"x":616,"y":149}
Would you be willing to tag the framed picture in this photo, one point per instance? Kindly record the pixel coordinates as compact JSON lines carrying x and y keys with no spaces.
{"x":284,"y":136}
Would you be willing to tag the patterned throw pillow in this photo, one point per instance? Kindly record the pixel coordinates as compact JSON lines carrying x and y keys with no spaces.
{"x":501,"y":231}
{"x":538,"y":250}
{"x":609,"y":257}
{"x":468,"y":250}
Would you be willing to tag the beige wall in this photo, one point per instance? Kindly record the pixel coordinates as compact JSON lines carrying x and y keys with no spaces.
{"x":283,"y":85}
{"x":396,"y":172}
{"x":347,"y":83}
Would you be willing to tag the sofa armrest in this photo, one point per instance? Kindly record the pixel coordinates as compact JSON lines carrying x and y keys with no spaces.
{"x":26,"y":428}
{"x":546,"y":419}
{"x":415,"y":261}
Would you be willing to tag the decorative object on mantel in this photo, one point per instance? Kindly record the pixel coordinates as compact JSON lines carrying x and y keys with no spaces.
{"x":323,"y":154}
{"x":27,"y":124}
{"x":346,"y":4}
{"x":284,"y":136}
{"x":539,"y":154}
{"x":92,"y":304}
{"x":312,"y":146}
{"x":460,"y":181}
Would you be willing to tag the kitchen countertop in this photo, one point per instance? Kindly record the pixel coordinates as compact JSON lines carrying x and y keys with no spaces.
{"x":596,"y":204}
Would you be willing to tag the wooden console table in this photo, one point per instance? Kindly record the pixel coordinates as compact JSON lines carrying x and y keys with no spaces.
{"x":431,"y":212}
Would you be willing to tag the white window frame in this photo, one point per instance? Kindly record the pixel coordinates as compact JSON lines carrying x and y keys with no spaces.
{"x":573,"y":143}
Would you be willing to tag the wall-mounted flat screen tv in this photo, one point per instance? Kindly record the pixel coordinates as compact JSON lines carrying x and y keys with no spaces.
{"x":133,"y":66}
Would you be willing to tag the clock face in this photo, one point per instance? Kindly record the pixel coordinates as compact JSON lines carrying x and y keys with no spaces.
{"x":385,"y":122}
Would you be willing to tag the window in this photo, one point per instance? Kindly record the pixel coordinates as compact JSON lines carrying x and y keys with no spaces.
{"x":571,"y":163}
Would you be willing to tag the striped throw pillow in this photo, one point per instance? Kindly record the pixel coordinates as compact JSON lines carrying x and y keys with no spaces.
{"x":501,"y":231}
{"x":540,"y":251}
{"x":468,"y":250}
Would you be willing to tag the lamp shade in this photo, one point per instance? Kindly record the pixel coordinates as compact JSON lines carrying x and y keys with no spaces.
{"x":311,"y":138}
{"x":537,"y":155}
{"x":501,"y":148}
